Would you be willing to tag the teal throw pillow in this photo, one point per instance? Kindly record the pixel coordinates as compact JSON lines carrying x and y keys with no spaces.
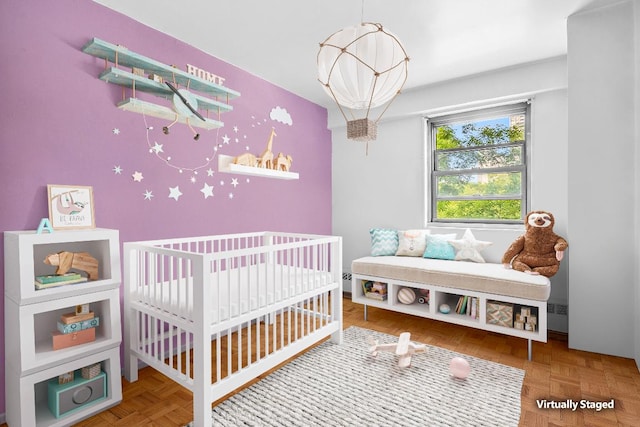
{"x":384,"y":241}
{"x":438,"y":246}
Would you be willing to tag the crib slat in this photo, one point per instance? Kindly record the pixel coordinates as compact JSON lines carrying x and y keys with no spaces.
{"x":218,"y":358}
{"x":229,"y":352}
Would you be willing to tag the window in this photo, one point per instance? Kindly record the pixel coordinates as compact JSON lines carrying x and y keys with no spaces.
{"x":478,"y":165}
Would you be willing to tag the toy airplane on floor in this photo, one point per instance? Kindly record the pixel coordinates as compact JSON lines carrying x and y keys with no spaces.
{"x":403,"y":348}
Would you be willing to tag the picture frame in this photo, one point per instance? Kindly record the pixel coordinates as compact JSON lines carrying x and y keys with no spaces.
{"x":70,"y":206}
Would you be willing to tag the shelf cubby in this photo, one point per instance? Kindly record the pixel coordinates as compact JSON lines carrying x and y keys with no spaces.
{"x":30,"y":406}
{"x":25,"y":252}
{"x":442,"y":295}
{"x":32,"y":315}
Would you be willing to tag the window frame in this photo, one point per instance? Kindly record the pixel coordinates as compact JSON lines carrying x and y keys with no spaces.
{"x":431,"y":173}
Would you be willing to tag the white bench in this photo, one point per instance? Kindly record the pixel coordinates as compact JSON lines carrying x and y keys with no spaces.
{"x":490,"y":284}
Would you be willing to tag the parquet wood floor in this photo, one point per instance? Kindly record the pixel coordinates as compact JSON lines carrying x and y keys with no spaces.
{"x":555,"y":373}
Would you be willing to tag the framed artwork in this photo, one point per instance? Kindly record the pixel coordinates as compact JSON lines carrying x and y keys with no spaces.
{"x":70,"y":206}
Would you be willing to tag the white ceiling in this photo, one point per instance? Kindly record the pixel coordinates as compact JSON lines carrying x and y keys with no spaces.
{"x":278,"y":40}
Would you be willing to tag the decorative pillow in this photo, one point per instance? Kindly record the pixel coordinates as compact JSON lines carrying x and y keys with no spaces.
{"x":438,"y":246}
{"x":468,"y":248}
{"x":411,"y":242}
{"x":384,"y":241}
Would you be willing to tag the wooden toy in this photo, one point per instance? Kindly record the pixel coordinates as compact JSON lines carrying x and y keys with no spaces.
{"x":83,"y":309}
{"x":282,"y":162}
{"x":69,"y":318}
{"x":246,"y":159}
{"x":82,"y":261}
{"x":66,"y":377}
{"x":404,"y":348}
{"x":266,"y":158}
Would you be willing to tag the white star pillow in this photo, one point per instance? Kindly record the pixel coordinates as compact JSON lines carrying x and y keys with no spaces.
{"x":468,"y":248}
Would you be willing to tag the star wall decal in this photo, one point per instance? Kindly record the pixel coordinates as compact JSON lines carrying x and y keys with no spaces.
{"x":116,"y":131}
{"x":148,"y":195}
{"x":175,"y":193}
{"x":225,"y":139}
{"x":137,"y":176}
{"x":234,"y":182}
{"x":157,"y":148}
{"x":207,"y":190}
{"x":117,"y":170}
{"x":209,"y":172}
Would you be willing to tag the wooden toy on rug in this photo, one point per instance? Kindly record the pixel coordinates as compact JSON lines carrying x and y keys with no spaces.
{"x":82,"y":261}
{"x":403,"y":348}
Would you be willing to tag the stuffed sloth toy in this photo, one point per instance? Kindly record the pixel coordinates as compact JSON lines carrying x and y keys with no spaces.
{"x":539,"y":250}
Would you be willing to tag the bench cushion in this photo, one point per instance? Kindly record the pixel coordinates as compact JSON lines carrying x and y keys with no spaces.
{"x":480,"y":277}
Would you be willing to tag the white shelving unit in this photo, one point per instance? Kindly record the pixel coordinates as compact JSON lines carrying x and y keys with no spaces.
{"x":31,"y":316}
{"x":441,"y":295}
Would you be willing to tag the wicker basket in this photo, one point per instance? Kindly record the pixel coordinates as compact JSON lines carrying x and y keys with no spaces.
{"x":362,"y":130}
{"x":91,"y":371}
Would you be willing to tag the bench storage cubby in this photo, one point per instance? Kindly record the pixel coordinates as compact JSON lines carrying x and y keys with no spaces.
{"x":495,"y":297}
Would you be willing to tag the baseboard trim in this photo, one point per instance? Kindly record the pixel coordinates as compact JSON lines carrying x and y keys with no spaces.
{"x":558,"y":336}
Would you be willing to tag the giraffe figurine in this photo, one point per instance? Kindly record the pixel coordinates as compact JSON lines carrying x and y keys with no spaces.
{"x":266,"y":158}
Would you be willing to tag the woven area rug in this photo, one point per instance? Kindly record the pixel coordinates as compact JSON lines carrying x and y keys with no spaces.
{"x":343,"y":385}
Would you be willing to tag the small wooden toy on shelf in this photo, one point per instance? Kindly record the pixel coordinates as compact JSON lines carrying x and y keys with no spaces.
{"x":266,"y":160}
{"x":282,"y":162}
{"x":75,"y":328}
{"x":246,"y":159}
{"x":82,"y":261}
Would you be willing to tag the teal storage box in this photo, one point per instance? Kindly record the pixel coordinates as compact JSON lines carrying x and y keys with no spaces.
{"x":69,"y":328}
{"x":77,"y":394}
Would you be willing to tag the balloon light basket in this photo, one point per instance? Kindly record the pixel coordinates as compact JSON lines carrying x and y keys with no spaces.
{"x":362,"y":130}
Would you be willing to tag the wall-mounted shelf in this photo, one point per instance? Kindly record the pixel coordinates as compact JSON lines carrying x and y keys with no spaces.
{"x":120,"y":56}
{"x":226,"y":165}
{"x":150,"y":109}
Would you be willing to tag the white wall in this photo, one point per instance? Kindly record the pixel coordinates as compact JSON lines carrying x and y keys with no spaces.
{"x":386,"y":187}
{"x":602,"y":198}
{"x":637,"y":145}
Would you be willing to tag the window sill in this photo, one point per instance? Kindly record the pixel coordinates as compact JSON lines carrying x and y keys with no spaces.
{"x":474,"y":226}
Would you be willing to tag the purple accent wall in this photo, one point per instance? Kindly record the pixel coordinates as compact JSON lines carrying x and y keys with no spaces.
{"x":60,"y":125}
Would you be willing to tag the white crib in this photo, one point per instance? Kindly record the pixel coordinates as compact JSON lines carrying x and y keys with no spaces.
{"x":196,"y":307}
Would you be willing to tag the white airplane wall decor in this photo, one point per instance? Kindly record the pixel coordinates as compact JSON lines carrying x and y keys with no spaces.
{"x":404,"y":348}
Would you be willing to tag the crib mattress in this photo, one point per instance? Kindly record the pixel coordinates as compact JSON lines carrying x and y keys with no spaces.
{"x":482,"y":277}
{"x":236,"y":291}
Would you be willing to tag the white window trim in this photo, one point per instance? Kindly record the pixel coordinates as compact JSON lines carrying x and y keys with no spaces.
{"x":427,"y":159}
